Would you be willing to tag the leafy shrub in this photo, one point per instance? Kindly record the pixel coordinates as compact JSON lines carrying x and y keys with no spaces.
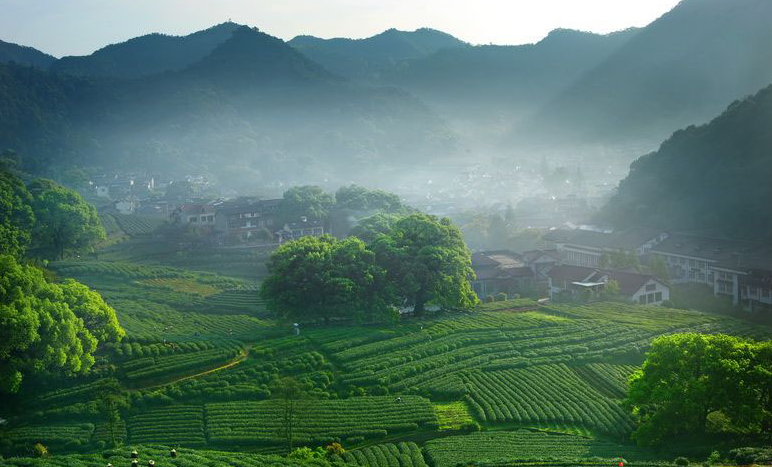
{"x":38,"y":450}
{"x":501,"y":296}
{"x":681,"y":461}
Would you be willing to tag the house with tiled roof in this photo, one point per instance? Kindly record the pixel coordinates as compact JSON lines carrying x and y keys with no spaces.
{"x":500,"y":271}
{"x":644,"y":289}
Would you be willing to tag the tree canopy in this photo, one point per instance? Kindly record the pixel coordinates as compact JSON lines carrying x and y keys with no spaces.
{"x":427,"y":262}
{"x":357,"y":198}
{"x":63,"y":219}
{"x":46,"y":328}
{"x":320,"y":277}
{"x":689,"y":379}
{"x":308,"y":200}
{"x":16,"y":217}
{"x":369,"y":228}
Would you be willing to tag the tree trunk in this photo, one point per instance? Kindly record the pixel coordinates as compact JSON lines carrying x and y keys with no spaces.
{"x":418,"y":309}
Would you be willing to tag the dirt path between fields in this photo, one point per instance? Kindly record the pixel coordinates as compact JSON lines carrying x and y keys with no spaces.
{"x":233,"y":363}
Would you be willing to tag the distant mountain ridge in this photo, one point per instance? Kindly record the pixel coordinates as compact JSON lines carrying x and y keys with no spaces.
{"x":253,"y":109}
{"x":683,"y":68}
{"x":24,"y":55}
{"x":365,"y":59}
{"x":147,"y":55}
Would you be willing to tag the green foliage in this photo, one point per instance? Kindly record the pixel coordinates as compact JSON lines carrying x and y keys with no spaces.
{"x":310,"y":201}
{"x":369,"y":228}
{"x":658,"y":269}
{"x":63,"y":219}
{"x":619,"y":260}
{"x":736,"y":145}
{"x":687,"y":377}
{"x":357,"y":198}
{"x":342,"y":278}
{"x":16,"y":217}
{"x":500,"y":448}
{"x":427,"y":262}
{"x":545,"y":394}
{"x":319,"y":422}
{"x":48,"y":328}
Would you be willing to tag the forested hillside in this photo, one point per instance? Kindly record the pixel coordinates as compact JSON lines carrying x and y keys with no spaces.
{"x":366,"y":59}
{"x":253,"y":107}
{"x":24,"y":55}
{"x":147,"y":55}
{"x":714,"y":176}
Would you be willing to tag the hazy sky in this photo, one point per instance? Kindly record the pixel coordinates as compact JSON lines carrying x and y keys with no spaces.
{"x":77,"y":27}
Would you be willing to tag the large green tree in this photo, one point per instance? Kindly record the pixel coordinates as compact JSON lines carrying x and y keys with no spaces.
{"x":320,"y":278}
{"x":426,"y":262}
{"x":308,"y":200}
{"x":357,"y":198}
{"x":16,"y":218}
{"x":688,"y":377}
{"x":46,"y":328}
{"x":63,"y":219}
{"x":370,"y":227}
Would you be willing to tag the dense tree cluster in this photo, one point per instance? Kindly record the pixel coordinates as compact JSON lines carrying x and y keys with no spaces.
{"x":692,"y":385}
{"x":414,"y":261}
{"x":710,"y":177}
{"x":16,"y":218}
{"x":46,"y":215}
{"x":48,"y":328}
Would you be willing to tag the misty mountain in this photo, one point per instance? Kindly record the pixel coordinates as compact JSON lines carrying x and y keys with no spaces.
{"x":365,"y":59}
{"x":253,"y":109}
{"x":685,"y":67}
{"x":709,"y":177}
{"x":147,"y":55}
{"x":24,"y":55}
{"x":504,"y":82}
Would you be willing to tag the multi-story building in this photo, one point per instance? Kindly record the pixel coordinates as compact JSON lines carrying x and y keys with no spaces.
{"x":736,"y":269}
{"x":246,"y":217}
{"x":586,"y":247}
{"x":295,"y":230}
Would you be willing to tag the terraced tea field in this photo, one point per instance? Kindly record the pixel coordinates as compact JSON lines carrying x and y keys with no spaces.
{"x":529,"y":448}
{"x":201,"y":368}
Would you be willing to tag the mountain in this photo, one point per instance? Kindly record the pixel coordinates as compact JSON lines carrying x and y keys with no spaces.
{"x":684,"y":67}
{"x":147,"y":55}
{"x":509,"y":81}
{"x":23,"y":55}
{"x":254,"y":111}
{"x":254,"y":57}
{"x":710,"y":177}
{"x":365,"y":59}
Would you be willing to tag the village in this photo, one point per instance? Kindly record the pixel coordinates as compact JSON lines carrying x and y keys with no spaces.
{"x":575,"y":261}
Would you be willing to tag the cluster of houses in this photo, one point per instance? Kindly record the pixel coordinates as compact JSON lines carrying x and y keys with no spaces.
{"x":245,"y":219}
{"x":741,"y":271}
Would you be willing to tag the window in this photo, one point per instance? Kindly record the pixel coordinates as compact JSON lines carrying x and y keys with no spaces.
{"x":210,"y":218}
{"x":658,"y":296}
{"x":650,"y":287}
{"x":193,"y":220}
{"x":642,"y":299}
{"x":650,"y":298}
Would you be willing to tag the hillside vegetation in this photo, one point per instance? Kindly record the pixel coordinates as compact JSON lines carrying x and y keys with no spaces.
{"x":708,"y":177}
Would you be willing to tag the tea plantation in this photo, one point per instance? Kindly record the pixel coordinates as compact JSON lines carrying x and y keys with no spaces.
{"x":510,"y":383}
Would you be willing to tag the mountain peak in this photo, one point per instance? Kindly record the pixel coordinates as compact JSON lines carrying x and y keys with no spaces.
{"x":250,"y":54}
{"x":23,"y":55}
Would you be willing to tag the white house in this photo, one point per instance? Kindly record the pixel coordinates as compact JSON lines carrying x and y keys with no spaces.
{"x":639,"y":288}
